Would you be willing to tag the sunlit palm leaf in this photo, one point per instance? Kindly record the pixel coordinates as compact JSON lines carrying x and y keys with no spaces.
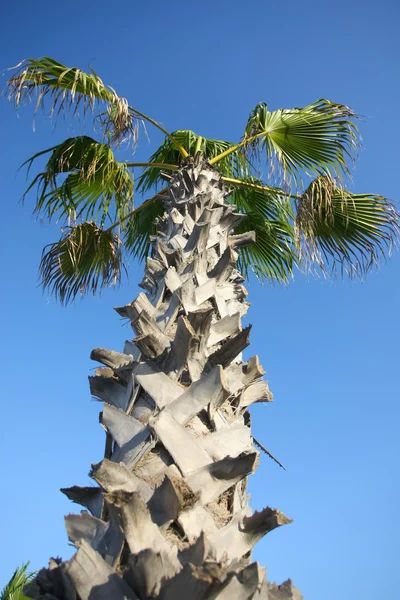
{"x":352,"y":230}
{"x":97,"y":186}
{"x":71,"y":88}
{"x":252,"y":195}
{"x":86,"y":259}
{"x":318,"y":139}
{"x":14,"y":588}
{"x":234,"y":165}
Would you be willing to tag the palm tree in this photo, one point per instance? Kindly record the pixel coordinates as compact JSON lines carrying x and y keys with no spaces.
{"x":170,"y":515}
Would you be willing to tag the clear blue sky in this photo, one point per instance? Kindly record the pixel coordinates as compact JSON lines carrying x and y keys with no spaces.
{"x":330,"y":349}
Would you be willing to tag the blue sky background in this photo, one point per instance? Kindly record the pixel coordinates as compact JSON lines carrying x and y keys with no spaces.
{"x":330,"y":349}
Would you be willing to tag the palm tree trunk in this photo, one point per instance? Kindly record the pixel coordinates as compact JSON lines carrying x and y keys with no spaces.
{"x":170,"y":518}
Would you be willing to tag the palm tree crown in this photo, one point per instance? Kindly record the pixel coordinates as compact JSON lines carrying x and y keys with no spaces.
{"x":301,"y":211}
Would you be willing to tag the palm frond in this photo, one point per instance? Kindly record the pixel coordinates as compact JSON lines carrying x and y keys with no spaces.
{"x":269,"y":214}
{"x":234,"y":165}
{"x":319,"y":139}
{"x":273,"y":256}
{"x":352,"y":230}
{"x":86,"y":259}
{"x":250,"y":194}
{"x":45,"y":78}
{"x":97,"y":186}
{"x":14,"y":588}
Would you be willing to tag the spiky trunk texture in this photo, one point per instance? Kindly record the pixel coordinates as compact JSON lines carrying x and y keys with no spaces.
{"x":170,"y":518}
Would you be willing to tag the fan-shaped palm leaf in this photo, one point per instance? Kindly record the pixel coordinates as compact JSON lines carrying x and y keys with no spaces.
{"x":67,"y":87}
{"x":86,"y":258}
{"x":269,"y":214}
{"x":97,"y":186}
{"x":272,"y":256}
{"x":250,"y":194}
{"x":317,"y":139}
{"x":353,"y":230}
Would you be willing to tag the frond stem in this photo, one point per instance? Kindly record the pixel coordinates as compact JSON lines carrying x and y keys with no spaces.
{"x":262,"y":188}
{"x":234,"y":148}
{"x":198,"y":144}
{"x":153,"y":164}
{"x":161,"y":128}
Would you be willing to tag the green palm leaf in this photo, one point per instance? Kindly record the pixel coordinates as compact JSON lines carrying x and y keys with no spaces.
{"x":318,"y":139}
{"x":82,"y":179}
{"x":70,"y":87}
{"x":68,"y":84}
{"x":272,"y":256}
{"x":352,"y":230}
{"x":250,"y":194}
{"x":86,"y":258}
{"x":233,"y":165}
{"x":270,"y":215}
{"x":14,"y":588}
